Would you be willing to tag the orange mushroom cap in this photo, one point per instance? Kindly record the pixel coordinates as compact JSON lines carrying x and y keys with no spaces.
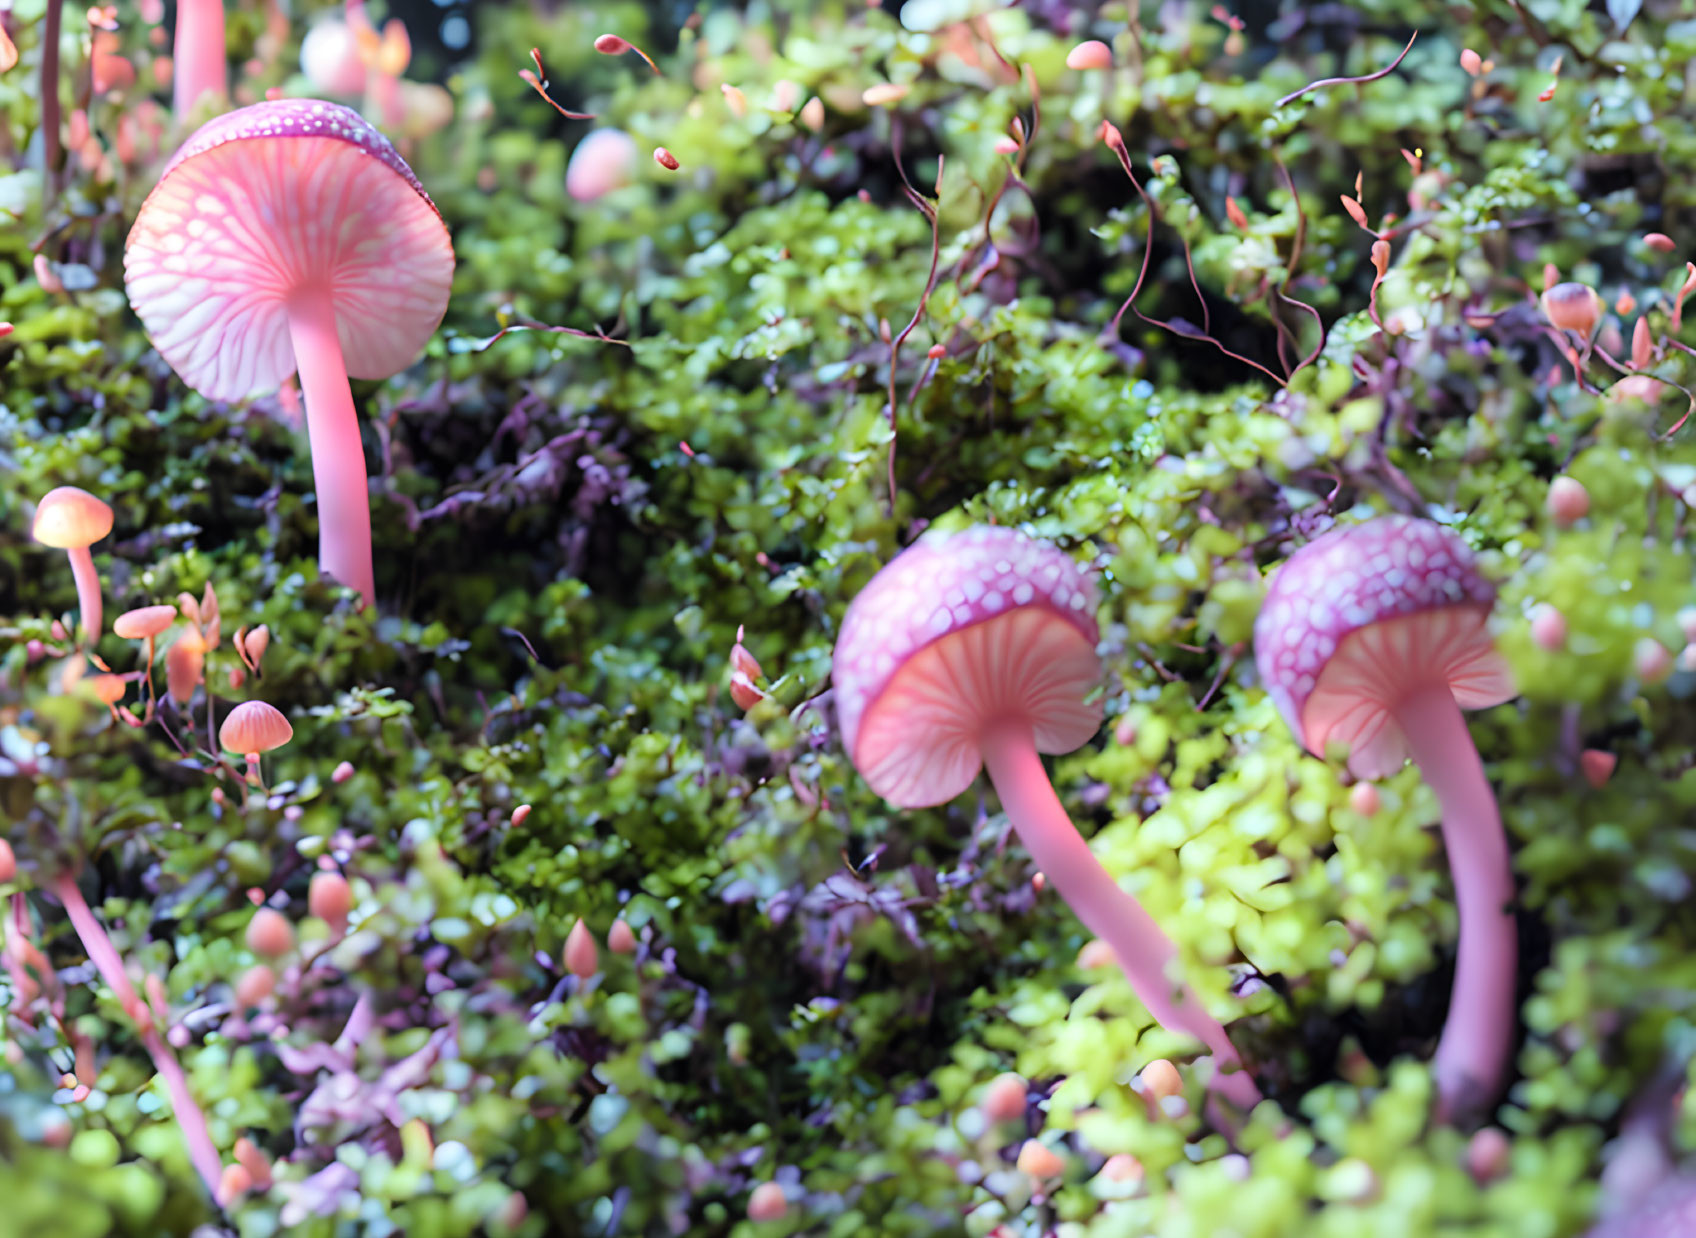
{"x":71,"y":519}
{"x":144,"y":621}
{"x":254,"y":726}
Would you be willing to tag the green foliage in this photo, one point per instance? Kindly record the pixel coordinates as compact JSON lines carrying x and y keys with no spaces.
{"x":572,"y":529}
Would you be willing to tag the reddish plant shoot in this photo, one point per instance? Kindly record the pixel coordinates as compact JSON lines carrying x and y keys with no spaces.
{"x":613,"y":45}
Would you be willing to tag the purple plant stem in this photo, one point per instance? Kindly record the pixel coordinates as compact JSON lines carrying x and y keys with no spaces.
{"x":1472,"y":1053}
{"x":1144,"y":952}
{"x":104,"y":955}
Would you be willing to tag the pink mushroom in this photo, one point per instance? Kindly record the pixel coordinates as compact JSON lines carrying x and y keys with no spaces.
{"x":198,"y":57}
{"x":290,"y":235}
{"x":977,"y":650}
{"x":1374,"y":636}
{"x":605,"y":160}
{"x":72,"y":520}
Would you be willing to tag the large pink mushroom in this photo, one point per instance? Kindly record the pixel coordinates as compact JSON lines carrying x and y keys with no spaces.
{"x":977,"y":650}
{"x":290,"y":236}
{"x":198,"y":58}
{"x":1374,"y":637}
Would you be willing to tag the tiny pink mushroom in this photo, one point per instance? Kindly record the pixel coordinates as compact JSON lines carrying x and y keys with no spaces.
{"x":1374,"y":636}
{"x":1597,"y":765}
{"x":342,"y":772}
{"x":1568,"y":501}
{"x":255,"y":985}
{"x":1651,"y":660}
{"x":1573,"y":307}
{"x":1040,"y":1161}
{"x":330,"y":58}
{"x":1487,"y":1154}
{"x":269,"y":934}
{"x":329,"y":897}
{"x":978,"y":650}
{"x":1122,"y":1167}
{"x":1548,"y":628}
{"x":520,"y":815}
{"x":1090,"y":54}
{"x":1160,"y":1080}
{"x":603,"y":161}
{"x":1004,"y":1098}
{"x":72,"y":520}
{"x":289,"y":236}
{"x":767,"y":1203}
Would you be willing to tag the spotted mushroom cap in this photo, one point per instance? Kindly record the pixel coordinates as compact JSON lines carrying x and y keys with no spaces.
{"x":1361,"y":617}
{"x":254,"y":726}
{"x":264,"y":201}
{"x":68,"y":518}
{"x":955,"y":632}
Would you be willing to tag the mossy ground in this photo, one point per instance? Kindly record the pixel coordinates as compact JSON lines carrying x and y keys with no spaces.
{"x":570,"y":532}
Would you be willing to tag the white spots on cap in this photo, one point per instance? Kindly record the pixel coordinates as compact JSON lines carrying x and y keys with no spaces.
{"x":1348,"y":580}
{"x":942,"y":585}
{"x":263,"y":202}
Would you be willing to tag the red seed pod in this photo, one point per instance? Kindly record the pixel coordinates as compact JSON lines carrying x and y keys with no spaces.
{"x":1234,"y":213}
{"x":1381,"y":258}
{"x":665,"y":159}
{"x":936,"y":352}
{"x":611,"y":45}
{"x":1642,"y":345}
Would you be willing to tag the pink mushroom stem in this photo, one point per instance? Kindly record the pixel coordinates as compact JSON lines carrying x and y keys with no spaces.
{"x":338,"y":459}
{"x":88,"y":591}
{"x":1144,"y":952}
{"x":104,"y":955}
{"x":1472,"y":1053}
{"x":197,"y":60}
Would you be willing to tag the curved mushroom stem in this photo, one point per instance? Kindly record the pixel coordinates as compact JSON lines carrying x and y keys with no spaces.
{"x":332,"y":428}
{"x":104,"y":955}
{"x":88,"y":593}
{"x":1144,"y":952}
{"x":197,"y":56}
{"x":1472,"y":1054}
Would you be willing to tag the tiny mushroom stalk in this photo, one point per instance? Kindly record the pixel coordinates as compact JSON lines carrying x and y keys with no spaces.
{"x":289,"y":236}
{"x":72,"y":520}
{"x":977,"y":650}
{"x":1373,"y":636}
{"x":198,"y":59}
